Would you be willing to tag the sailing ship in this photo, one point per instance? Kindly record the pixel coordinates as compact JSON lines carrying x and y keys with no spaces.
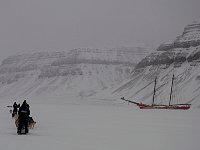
{"x":158,"y":106}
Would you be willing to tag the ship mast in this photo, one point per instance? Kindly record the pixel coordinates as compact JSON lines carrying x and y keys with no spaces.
{"x":171,"y":90}
{"x":154,"y":91}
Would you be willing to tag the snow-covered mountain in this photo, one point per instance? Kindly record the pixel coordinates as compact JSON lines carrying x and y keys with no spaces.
{"x":120,"y":72}
{"x":181,"y":58}
{"x":78,"y":72}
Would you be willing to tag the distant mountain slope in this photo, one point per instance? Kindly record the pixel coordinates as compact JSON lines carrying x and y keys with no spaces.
{"x":181,"y":58}
{"x":79,"y":72}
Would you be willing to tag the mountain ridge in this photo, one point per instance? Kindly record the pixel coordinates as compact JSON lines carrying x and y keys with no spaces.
{"x":80,"y":72}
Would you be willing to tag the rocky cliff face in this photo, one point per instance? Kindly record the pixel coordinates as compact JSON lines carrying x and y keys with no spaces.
{"x":190,"y":37}
{"x":185,"y":48}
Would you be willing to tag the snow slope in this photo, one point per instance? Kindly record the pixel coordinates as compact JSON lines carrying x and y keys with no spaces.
{"x":185,"y":88}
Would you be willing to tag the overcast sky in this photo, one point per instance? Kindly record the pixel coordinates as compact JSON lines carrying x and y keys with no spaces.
{"x":42,"y":25}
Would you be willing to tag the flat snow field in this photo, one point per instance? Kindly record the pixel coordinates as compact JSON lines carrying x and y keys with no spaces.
{"x":102,"y":127}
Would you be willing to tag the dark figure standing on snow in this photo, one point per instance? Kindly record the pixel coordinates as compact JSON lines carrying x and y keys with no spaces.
{"x":15,"y":108}
{"x":24,"y":113}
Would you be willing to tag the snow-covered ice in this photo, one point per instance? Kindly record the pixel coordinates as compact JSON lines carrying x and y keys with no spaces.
{"x":99,"y":126}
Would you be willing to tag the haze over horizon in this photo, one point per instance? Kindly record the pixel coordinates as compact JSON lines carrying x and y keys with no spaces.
{"x":48,"y":25}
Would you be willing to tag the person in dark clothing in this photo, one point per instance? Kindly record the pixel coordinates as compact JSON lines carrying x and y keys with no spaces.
{"x":15,"y":108}
{"x":24,"y":113}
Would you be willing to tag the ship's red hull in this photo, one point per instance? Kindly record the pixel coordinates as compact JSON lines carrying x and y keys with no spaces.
{"x":155,"y":106}
{"x":180,"y":107}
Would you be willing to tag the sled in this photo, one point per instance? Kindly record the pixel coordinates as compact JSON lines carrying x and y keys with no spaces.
{"x":23,"y":130}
